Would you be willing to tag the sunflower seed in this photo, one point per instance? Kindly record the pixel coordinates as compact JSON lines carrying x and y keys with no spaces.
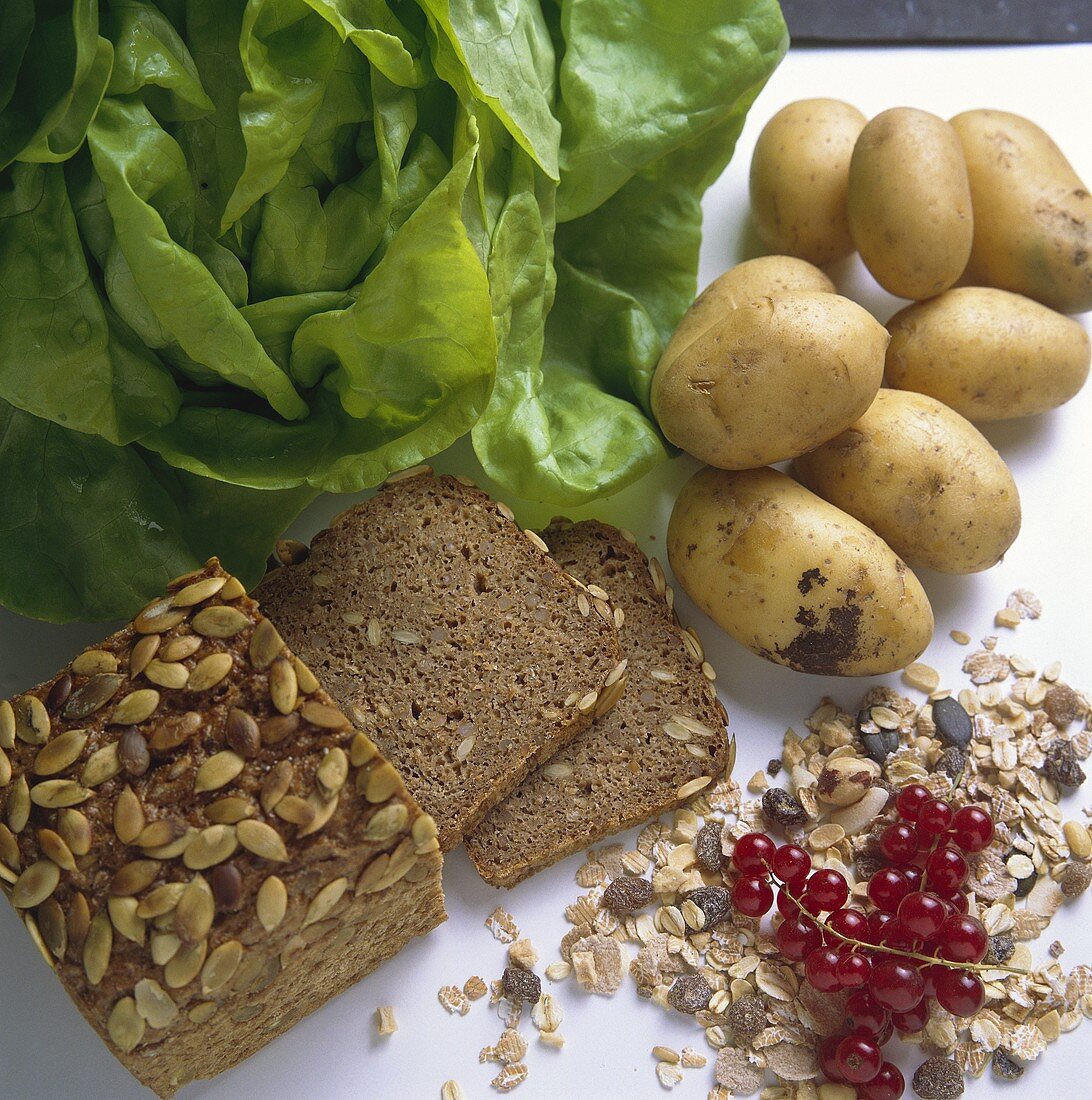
{"x":158,"y":834}
{"x":220,"y":622}
{"x":158,"y":617}
{"x":123,"y":916}
{"x":209,"y":671}
{"x":306,"y":679}
{"x":162,"y":900}
{"x":386,"y":822}
{"x":185,"y":965}
{"x":229,"y":810}
{"x":75,"y":830}
{"x":218,"y":771}
{"x":211,"y":846}
{"x":128,"y":816}
{"x":18,"y":805}
{"x":94,"y":695}
{"x":54,"y":848}
{"x":53,"y":794}
{"x":133,"y":755}
{"x":35,"y":884}
{"x":195,"y":912}
{"x":97,"y":946}
{"x":227,"y":887}
{"x":178,"y":649}
{"x":274,"y":730}
{"x":325,"y":900}
{"x":464,"y":748}
{"x":173,"y":731}
{"x":136,"y":707}
{"x":271,"y":903}
{"x":7,"y":726}
{"x":32,"y":723}
{"x":232,"y":590}
{"x":60,"y":753}
{"x":265,"y":645}
{"x":94,"y":661}
{"x":198,"y":592}
{"x":263,"y":840}
{"x":295,"y":810}
{"x":241,"y":732}
{"x":167,"y":674}
{"x":406,"y":637}
{"x":53,"y":927}
{"x":382,"y":782}
{"x":276,"y":784}
{"x":125,"y":1025}
{"x":361,"y":750}
{"x":154,"y":1004}
{"x":333,"y":771}
{"x":283,"y":687}
{"x":221,"y":965}
{"x":142,"y":653}
{"x":324,"y":810}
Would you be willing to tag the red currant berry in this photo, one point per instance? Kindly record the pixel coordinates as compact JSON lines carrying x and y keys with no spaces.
{"x":946,"y":870}
{"x":913,"y":1019}
{"x":853,"y":970}
{"x":865,"y":1014}
{"x":877,"y":922}
{"x":913,"y":876}
{"x":911,"y":799}
{"x":821,"y":969}
{"x":922,"y":914}
{"x":752,"y":896}
{"x":962,"y":939}
{"x":786,"y":905}
{"x":896,"y":984}
{"x":896,"y":934}
{"x":960,"y":992}
{"x":828,"y":1059}
{"x":791,"y":865}
{"x":958,"y":902}
{"x":972,"y":829}
{"x":886,"y":889}
{"x":934,"y":819}
{"x":797,"y":938}
{"x":859,"y":1059}
{"x":754,"y":853}
{"x":829,"y":890}
{"x":888,"y":1084}
{"x":899,"y":842}
{"x":849,"y":923}
{"x":931,"y":974}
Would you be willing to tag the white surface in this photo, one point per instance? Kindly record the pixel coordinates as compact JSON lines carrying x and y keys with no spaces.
{"x":46,"y":1050}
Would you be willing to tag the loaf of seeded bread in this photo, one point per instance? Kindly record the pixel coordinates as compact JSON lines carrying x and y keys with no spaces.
{"x":663,"y":741}
{"x":451,"y":637}
{"x":199,"y":844}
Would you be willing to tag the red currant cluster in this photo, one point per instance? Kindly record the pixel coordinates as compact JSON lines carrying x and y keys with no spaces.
{"x":915,"y":944}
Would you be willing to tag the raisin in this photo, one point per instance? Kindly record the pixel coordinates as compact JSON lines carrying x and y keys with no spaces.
{"x":714,"y":901}
{"x":1000,"y":949}
{"x":747,"y":1017}
{"x":953,"y":722}
{"x":707,"y":847}
{"x":780,"y":808}
{"x":521,"y":985}
{"x":1008,"y":1069}
{"x":1076,"y":879}
{"x":1062,"y":766}
{"x":1062,"y":705}
{"x":773,"y":768}
{"x":938,"y":1079}
{"x":690,"y":993}
{"x":951,"y":762}
{"x":627,"y":894}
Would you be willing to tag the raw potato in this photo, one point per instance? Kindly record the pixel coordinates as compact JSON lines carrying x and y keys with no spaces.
{"x":793,"y":578}
{"x":766,"y":276}
{"x":924,"y":479}
{"x":799,"y":176}
{"x":771,"y":379}
{"x":910,"y":203}
{"x":1032,"y":214}
{"x":987,"y":353}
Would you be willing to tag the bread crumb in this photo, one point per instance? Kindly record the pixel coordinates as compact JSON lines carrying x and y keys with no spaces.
{"x":385,"y":1023}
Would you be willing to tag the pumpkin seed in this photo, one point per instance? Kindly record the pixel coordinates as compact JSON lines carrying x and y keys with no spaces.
{"x":324,"y":810}
{"x":54,"y":848}
{"x":386,"y":822}
{"x":218,"y":771}
{"x":203,"y":1012}
{"x":209,"y":671}
{"x":93,"y":696}
{"x":125,"y":1026}
{"x":198,"y":591}
{"x":163,"y":899}
{"x":128,"y":816}
{"x":185,"y":965}
{"x":75,"y":830}
{"x":276,"y":784}
{"x":219,"y":622}
{"x":242,"y":733}
{"x":263,"y":840}
{"x":424,"y":830}
{"x":133,"y":754}
{"x":101,"y":765}
{"x":295,"y":810}
{"x":271,"y":902}
{"x":178,"y":649}
{"x":211,"y":846}
{"x":32,"y":723}
{"x":159,"y":616}
{"x":154,"y":1004}
{"x":176,"y":847}
{"x":325,"y":900}
{"x":306,"y":679}
{"x":9,"y":849}
{"x":323,"y":715}
{"x":5,"y":769}
{"x":283,"y":687}
{"x":361,"y":750}
{"x":174,"y":730}
{"x":182,"y":580}
{"x":7,"y":725}
{"x":383,"y":781}
{"x":276,"y":729}
{"x":134,"y":876}
{"x":265,"y":645}
{"x":79,"y":920}
{"x":233,"y":589}
{"x":31,"y":926}
{"x":53,"y":927}
{"x":164,"y":947}
{"x":221,"y":965}
{"x":123,"y":916}
{"x":53,"y":794}
{"x":60,"y":753}
{"x":35,"y":884}
{"x":229,"y":811}
{"x":97,"y":947}
{"x":158,"y":834}
{"x":138,"y":706}
{"x":19,"y":805}
{"x":94,"y":661}
{"x":142,"y":653}
{"x":195,"y":912}
{"x":333,"y":771}
{"x":167,"y":674}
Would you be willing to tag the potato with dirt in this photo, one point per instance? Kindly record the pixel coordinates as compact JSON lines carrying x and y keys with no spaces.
{"x":794,"y":579}
{"x":799,"y":178}
{"x":924,"y":479}
{"x":987,"y":353}
{"x":1032,"y":213}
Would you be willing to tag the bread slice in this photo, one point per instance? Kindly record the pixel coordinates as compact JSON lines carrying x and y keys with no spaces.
{"x":200,"y":845}
{"x":644,"y":756}
{"x":451,"y":637}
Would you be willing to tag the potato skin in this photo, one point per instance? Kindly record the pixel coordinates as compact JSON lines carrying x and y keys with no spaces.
{"x":799,"y":176}
{"x":793,"y":578}
{"x":987,"y":353}
{"x":772,"y":379}
{"x":924,"y":479}
{"x":765,"y":276}
{"x":909,"y":202}
{"x":1032,"y":213}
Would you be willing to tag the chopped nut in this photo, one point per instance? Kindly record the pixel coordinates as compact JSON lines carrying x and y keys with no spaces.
{"x":522,"y":953}
{"x":385,"y":1023}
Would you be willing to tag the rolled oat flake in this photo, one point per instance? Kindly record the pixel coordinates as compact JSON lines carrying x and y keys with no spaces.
{"x":938,"y":1079}
{"x":953,"y":722}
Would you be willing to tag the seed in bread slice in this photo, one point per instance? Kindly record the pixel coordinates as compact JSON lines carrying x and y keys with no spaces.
{"x":451,"y":637}
{"x":666,"y":732}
